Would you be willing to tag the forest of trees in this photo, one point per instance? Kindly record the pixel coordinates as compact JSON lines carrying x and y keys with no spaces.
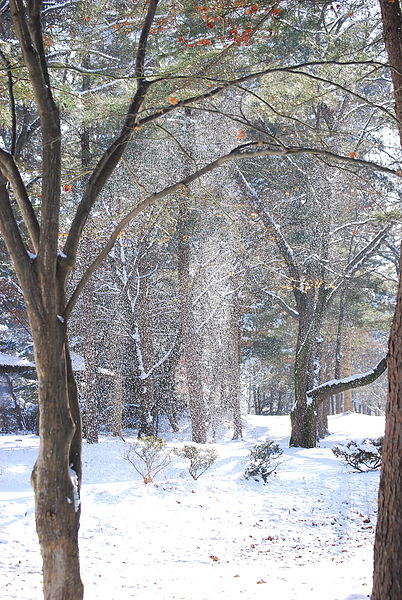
{"x":201,"y":214}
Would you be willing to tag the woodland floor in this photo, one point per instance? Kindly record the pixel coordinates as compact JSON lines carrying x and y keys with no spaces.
{"x":306,"y":535}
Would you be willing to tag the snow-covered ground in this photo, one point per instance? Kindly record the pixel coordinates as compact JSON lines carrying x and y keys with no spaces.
{"x":306,"y":535}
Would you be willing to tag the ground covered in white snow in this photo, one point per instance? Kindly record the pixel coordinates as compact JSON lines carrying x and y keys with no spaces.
{"x":306,"y":535}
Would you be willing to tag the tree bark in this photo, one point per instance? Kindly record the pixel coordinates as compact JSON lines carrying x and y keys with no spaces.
{"x":304,"y":414}
{"x":338,"y":400}
{"x":388,"y":539}
{"x":117,"y":405}
{"x":56,"y":477}
{"x":392,"y":32}
{"x":347,"y":372}
{"x":387,"y":583}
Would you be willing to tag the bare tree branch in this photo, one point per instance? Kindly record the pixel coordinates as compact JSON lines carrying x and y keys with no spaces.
{"x":336,"y":386}
{"x":142,"y":44}
{"x":28,"y":28}
{"x":10,"y":85}
{"x":115,"y":151}
{"x":251,"y":150}
{"x":274,"y":229}
{"x":11,"y":173}
{"x":356,"y":262}
{"x":291,"y":311}
{"x":16,"y":247}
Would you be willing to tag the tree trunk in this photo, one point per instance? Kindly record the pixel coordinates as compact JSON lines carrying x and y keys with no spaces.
{"x":392,"y":31}
{"x":166,"y":384}
{"x":57,"y":472}
{"x":303,"y":420}
{"x":304,"y":415}
{"x":311,"y":304}
{"x":90,"y":348}
{"x":145,"y":352}
{"x":388,"y":539}
{"x":117,"y":405}
{"x":191,"y":346}
{"x":234,"y":367}
{"x":18,"y":413}
{"x":337,"y":402}
{"x":322,"y":429}
{"x":91,"y":410}
{"x":347,"y":371}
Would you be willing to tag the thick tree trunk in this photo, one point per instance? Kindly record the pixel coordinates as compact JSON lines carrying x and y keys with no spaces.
{"x":57,"y":472}
{"x":392,"y":31}
{"x":388,"y":540}
{"x":303,"y":420}
{"x":311,"y":305}
{"x":304,"y":414}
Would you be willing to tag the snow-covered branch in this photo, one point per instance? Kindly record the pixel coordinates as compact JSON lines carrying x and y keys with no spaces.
{"x":336,"y":386}
{"x":291,"y":311}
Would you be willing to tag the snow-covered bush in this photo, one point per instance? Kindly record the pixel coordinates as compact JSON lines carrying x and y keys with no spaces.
{"x":264,"y":460}
{"x":362,"y":455}
{"x":148,"y":456}
{"x":201,"y":458}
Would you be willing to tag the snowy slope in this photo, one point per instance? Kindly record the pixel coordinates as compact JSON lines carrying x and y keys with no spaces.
{"x":306,"y":535}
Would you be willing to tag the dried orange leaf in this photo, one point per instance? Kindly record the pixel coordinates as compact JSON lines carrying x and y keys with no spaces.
{"x":173,"y":100}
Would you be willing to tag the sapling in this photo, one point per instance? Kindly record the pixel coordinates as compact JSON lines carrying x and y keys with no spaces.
{"x":264,"y":460}
{"x":148,"y":456}
{"x":200,"y":458}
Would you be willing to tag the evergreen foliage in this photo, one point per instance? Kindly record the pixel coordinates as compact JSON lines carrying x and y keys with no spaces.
{"x":365,"y":455}
{"x":264,"y":460}
{"x":201,"y":458}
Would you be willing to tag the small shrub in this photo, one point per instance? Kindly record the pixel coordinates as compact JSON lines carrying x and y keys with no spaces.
{"x":264,"y":460}
{"x":200,"y":458}
{"x":148,"y":456}
{"x":362,"y":455}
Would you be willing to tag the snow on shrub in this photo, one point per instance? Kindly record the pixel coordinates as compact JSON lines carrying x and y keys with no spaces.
{"x":364,"y":455}
{"x":201,"y":458}
{"x":148,"y":456}
{"x":264,"y":460}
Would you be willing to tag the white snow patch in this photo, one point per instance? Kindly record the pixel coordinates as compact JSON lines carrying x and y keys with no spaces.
{"x":74,"y":481}
{"x":14,"y":361}
{"x":306,"y":535}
